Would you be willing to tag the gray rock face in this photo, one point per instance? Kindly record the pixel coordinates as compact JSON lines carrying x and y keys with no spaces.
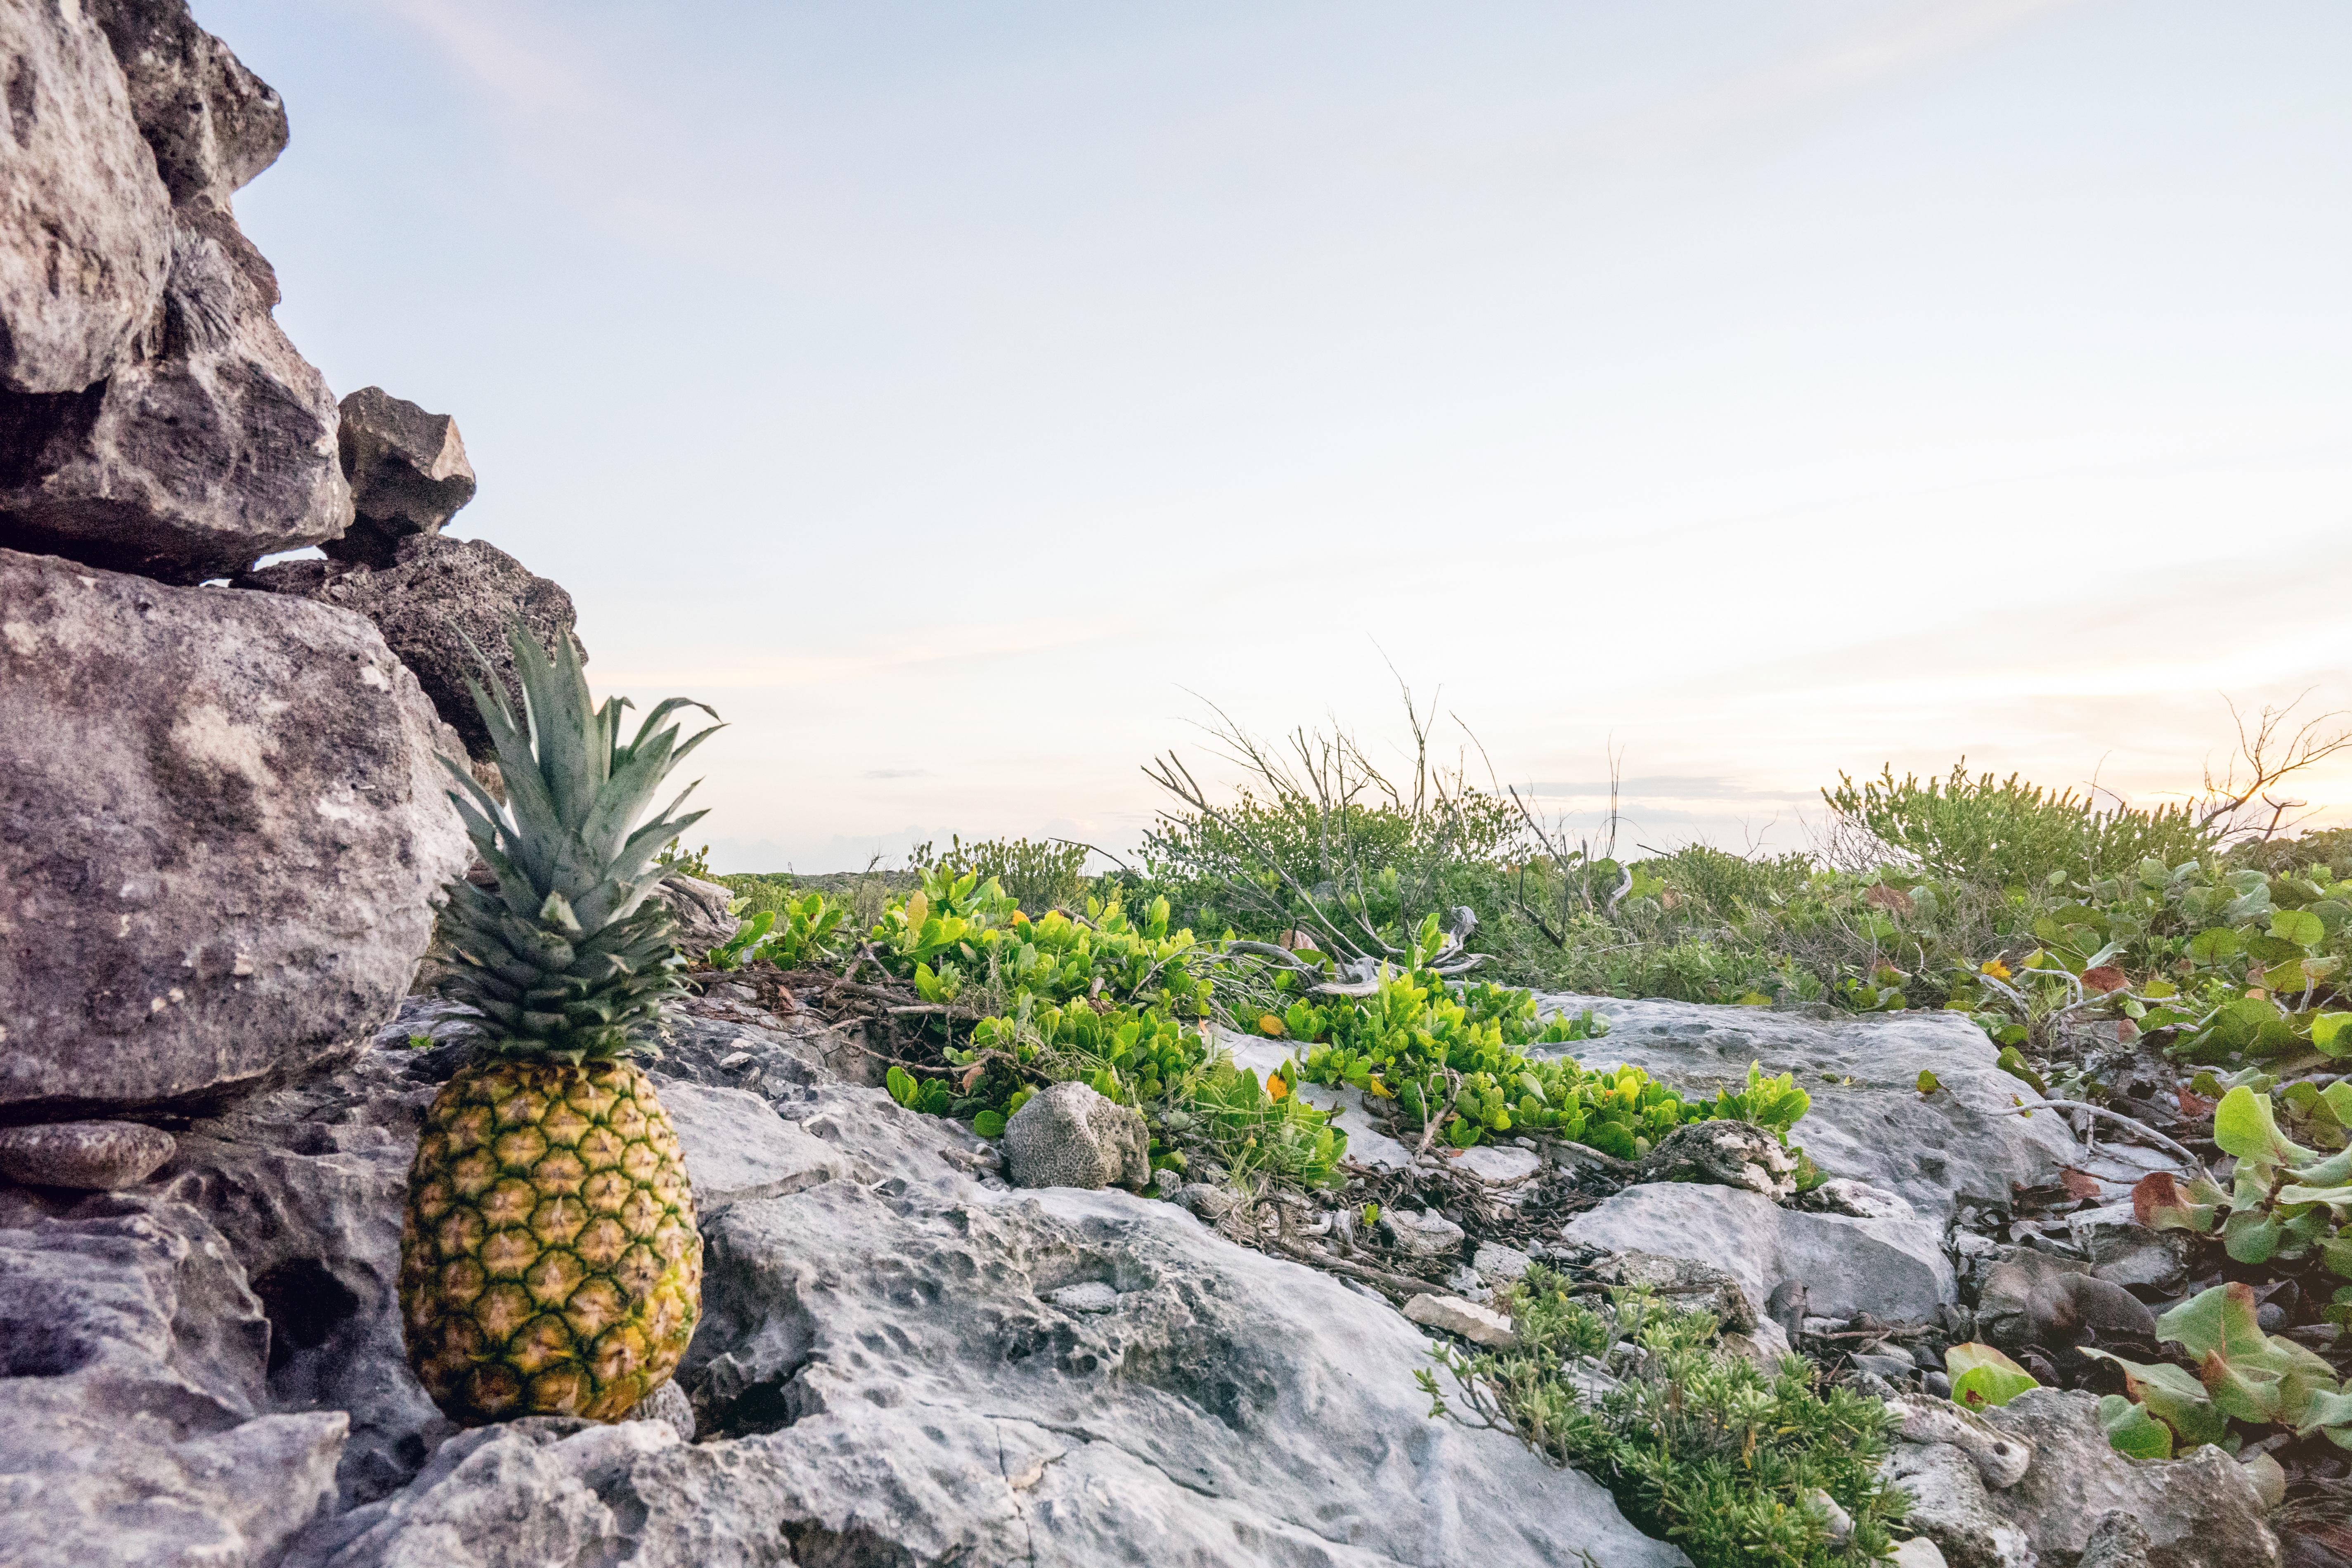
{"x":223,"y":822}
{"x":1424,"y":1233}
{"x":407,"y":472}
{"x":434,"y":585}
{"x":212,"y":124}
{"x":2199,"y":1511}
{"x":1724,"y":1153}
{"x":85,"y":225}
{"x":193,"y":460}
{"x":87,"y":1156}
{"x":700,"y":907}
{"x":1069,"y":1136}
{"x":1892,"y":1268}
{"x":1930,"y":1150}
{"x":738,"y":1150}
{"x":133,"y":1369}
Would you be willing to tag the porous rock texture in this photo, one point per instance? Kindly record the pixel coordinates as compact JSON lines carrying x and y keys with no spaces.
{"x":221,"y":823}
{"x":85,"y":224}
{"x":212,"y":124}
{"x":198,"y":439}
{"x":1893,"y":1268}
{"x":436,"y":595}
{"x":1067,"y":1135}
{"x":700,"y":907}
{"x":408,"y":470}
{"x":1868,"y":1118}
{"x":2202,"y":1510}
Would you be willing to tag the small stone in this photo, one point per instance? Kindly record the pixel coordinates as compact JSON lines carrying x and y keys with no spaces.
{"x":1895,"y":1369}
{"x":1067,"y":1135}
{"x":1479,"y":1325}
{"x":1089,"y":1296}
{"x":1502,"y":1166}
{"x":1685,"y":1283}
{"x":1917,"y":1553}
{"x":1498,"y":1262}
{"x":1427,"y":1234}
{"x":1724,"y":1153}
{"x":89,"y":1156}
{"x":1843,"y":1195}
{"x":1835,"y":1521}
{"x":669,"y":1404}
{"x":408,"y":470}
{"x":729,"y":1062}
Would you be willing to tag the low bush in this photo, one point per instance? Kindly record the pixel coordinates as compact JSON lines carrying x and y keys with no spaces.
{"x":1697,"y":1444}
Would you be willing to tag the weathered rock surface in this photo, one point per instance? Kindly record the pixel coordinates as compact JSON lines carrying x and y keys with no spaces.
{"x":700,"y":907}
{"x":212,"y":124}
{"x":738,"y":1150}
{"x":193,"y":459}
{"x":1479,"y":1324}
{"x":1724,"y":1154}
{"x":408,"y":474}
{"x":1424,"y":1233}
{"x":85,"y":1156}
{"x":1069,"y":1136}
{"x":133,"y":1359}
{"x":1894,"y":1269}
{"x":2199,"y":1511}
{"x":435,"y":590}
{"x":219,"y":828}
{"x":85,"y":224}
{"x":1930,"y":1150}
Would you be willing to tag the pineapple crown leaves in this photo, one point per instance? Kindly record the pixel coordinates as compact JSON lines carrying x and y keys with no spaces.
{"x":567,"y":959}
{"x":573,"y":788}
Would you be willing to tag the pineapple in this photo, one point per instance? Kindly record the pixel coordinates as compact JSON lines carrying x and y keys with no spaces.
{"x":550,"y":1262}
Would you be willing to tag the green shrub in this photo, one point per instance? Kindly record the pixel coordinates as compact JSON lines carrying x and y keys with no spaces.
{"x":2009,"y":833}
{"x":1697,"y":1445}
{"x":1038,"y":877}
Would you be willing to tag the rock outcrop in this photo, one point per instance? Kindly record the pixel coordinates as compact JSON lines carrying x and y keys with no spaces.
{"x":156,"y":419}
{"x":408,"y":474}
{"x":436,"y":595}
{"x":85,"y":224}
{"x":223,"y":822}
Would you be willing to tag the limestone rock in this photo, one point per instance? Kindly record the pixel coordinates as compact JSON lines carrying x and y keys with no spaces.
{"x":435,"y":589}
{"x":2199,"y":1511}
{"x":131,"y":1368}
{"x":212,"y":124}
{"x":227,"y":822}
{"x":700,"y":907}
{"x":737,"y":1148}
{"x":1930,"y":1150}
{"x":85,"y":225}
{"x":1951,"y":1507}
{"x":1726,"y":1154}
{"x":1479,"y":1325}
{"x":407,"y":472}
{"x":2000,"y":1457}
{"x":670,"y":1406}
{"x":214,"y":446}
{"x":1688,"y":1283}
{"x":1894,"y":1269}
{"x":1069,"y":1136}
{"x":90,"y":1156}
{"x":1424,"y":1233}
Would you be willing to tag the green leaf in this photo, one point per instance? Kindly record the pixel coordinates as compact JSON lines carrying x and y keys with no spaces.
{"x":2132,"y":1430}
{"x":2213,"y":945}
{"x":1929,"y":1082}
{"x":988,"y":1124}
{"x":2244,"y":1125}
{"x":2174,"y":1396}
{"x":2327,"y":1037}
{"x":2300,"y":927}
{"x":1983,"y":1378}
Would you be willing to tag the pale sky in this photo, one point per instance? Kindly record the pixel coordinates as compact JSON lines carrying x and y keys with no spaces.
{"x":957,"y":396}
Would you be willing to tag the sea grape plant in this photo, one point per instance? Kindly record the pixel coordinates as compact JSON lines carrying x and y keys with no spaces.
{"x":2241,"y":1374}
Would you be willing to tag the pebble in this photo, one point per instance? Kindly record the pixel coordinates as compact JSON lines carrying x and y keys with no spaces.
{"x":89,"y":1156}
{"x":1479,"y":1325}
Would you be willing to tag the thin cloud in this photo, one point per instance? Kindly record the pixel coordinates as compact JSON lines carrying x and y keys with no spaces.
{"x":1915,"y":38}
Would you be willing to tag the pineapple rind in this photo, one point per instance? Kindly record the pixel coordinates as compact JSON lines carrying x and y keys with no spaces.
{"x":551,"y":1263}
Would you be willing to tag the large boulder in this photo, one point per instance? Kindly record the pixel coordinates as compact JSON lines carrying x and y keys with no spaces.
{"x":195,"y":461}
{"x":1868,"y":1119}
{"x":408,"y":475}
{"x":221,"y":828}
{"x":188,"y":438}
{"x":212,"y":124}
{"x":85,"y":225}
{"x":436,"y":596}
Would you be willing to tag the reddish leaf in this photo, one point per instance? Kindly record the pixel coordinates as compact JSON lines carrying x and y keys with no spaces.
{"x":2079,"y":1185}
{"x":1895,"y":901}
{"x":2194,"y":1105}
{"x":2106,"y":977}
